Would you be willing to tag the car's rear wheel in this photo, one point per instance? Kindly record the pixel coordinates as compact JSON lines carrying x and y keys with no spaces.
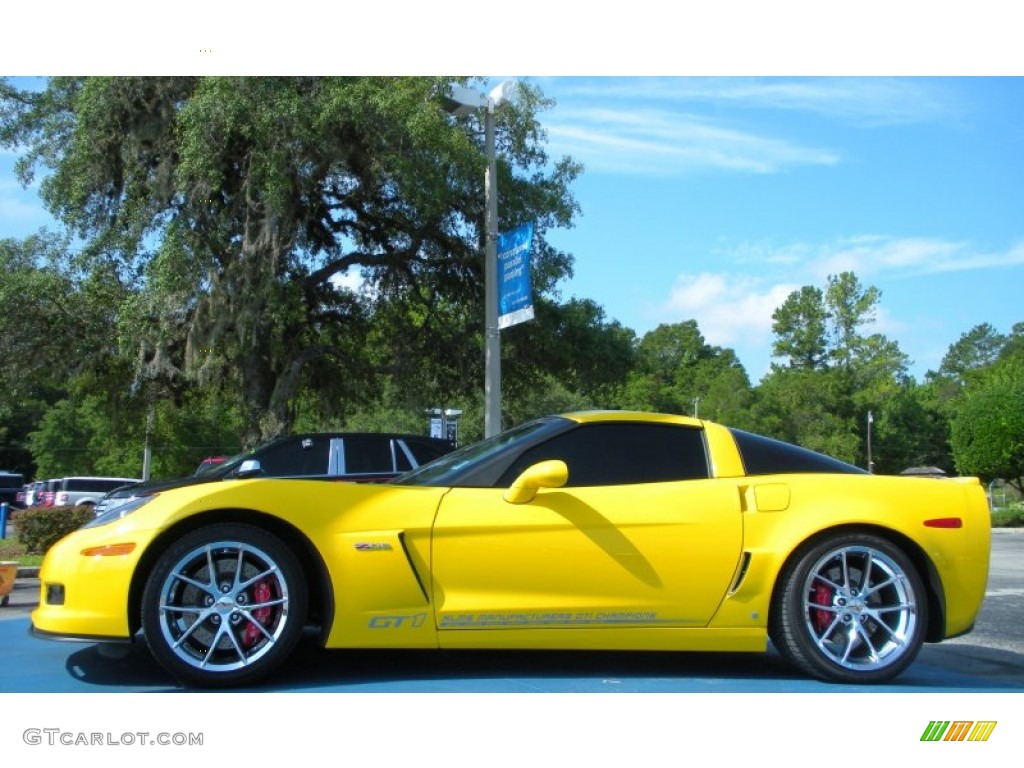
{"x":851,"y":609}
{"x":224,"y":605}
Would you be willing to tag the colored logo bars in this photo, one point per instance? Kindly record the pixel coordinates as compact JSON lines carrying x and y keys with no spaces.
{"x":958,"y":730}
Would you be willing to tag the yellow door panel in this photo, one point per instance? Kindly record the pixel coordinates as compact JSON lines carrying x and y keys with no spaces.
{"x":659,"y":554}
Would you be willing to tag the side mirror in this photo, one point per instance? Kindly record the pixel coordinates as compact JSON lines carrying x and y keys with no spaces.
{"x":546,"y":474}
{"x":248,"y":468}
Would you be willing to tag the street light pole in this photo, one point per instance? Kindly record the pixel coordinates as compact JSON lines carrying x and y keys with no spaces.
{"x":492,"y":343}
{"x":461,"y":101}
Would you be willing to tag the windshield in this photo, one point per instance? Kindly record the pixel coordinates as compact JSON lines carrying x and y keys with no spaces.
{"x":222,"y":468}
{"x":456,"y":467}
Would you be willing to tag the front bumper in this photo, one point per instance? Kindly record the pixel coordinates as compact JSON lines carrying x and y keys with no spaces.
{"x":86,"y":596}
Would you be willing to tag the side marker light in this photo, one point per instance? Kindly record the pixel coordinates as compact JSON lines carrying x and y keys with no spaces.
{"x":944,"y":522}
{"x":110,"y":550}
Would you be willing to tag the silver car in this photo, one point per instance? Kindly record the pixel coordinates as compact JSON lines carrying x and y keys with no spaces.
{"x":86,"y":491}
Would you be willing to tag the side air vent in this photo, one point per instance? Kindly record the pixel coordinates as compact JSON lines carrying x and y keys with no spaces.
{"x":741,"y":574}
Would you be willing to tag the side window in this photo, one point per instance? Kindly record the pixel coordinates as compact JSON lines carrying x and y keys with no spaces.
{"x":296,"y":458}
{"x":621,"y":453}
{"x":368,"y":456}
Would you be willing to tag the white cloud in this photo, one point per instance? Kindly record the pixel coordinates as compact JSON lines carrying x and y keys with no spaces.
{"x":873,"y":101}
{"x":351,"y":279}
{"x":660,"y":142}
{"x":876,"y":255}
{"x":869,"y":256}
{"x":730,"y":309}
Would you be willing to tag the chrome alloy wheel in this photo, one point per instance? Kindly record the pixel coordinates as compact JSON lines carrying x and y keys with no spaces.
{"x":223,"y":606}
{"x":860,"y":608}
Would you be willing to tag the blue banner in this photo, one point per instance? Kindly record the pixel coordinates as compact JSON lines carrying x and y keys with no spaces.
{"x":515,"y":291}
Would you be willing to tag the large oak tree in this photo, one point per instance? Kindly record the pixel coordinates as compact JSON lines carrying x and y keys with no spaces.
{"x":234,"y":206}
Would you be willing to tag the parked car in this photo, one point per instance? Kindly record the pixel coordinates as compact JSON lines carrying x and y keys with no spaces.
{"x":351,"y":456}
{"x":34,"y":493}
{"x":30,"y":490}
{"x":209,"y":463}
{"x":113,"y":498}
{"x":46,"y":495}
{"x":10,"y":484}
{"x":611,"y":530}
{"x":86,"y":491}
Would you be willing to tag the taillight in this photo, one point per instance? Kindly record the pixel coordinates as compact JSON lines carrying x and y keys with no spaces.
{"x":944,"y":522}
{"x":60,"y":499}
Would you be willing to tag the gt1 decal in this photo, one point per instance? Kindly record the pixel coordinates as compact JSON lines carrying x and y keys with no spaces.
{"x":542,"y":618}
{"x":367,"y":546}
{"x":398,"y":622}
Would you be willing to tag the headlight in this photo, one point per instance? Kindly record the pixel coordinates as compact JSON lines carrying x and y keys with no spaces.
{"x":120,"y":511}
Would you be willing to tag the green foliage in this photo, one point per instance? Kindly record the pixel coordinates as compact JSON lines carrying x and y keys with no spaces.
{"x":976,"y":349}
{"x":259,"y":192}
{"x":43,"y":336}
{"x":800,"y":329}
{"x":988,"y":427}
{"x":910,"y":431}
{"x":1014,"y":344}
{"x":809,"y":408}
{"x":835,"y":376}
{"x":850,"y":306}
{"x":40,"y":528}
{"x":92,"y":434}
{"x":817,"y":329}
{"x":1008,"y":517}
{"x":678,"y":372}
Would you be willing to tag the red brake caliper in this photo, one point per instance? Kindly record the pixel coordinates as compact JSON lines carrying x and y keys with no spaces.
{"x":260,"y":594}
{"x":822,"y":596}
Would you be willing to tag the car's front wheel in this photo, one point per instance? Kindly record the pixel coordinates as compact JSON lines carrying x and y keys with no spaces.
{"x":224,"y":605}
{"x":851,"y":609}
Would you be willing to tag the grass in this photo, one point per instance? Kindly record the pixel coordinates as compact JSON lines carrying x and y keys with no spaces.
{"x":12,"y":549}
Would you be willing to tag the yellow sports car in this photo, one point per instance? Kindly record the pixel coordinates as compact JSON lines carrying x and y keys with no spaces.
{"x":603,"y":530}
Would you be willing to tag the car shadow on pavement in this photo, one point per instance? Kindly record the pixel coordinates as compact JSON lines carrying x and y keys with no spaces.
{"x":1003,"y":668}
{"x":119,"y":666}
{"x":530,"y":671}
{"x":314,"y":669}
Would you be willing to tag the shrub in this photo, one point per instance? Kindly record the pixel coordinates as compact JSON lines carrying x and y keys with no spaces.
{"x":1008,"y":517}
{"x":40,"y":528}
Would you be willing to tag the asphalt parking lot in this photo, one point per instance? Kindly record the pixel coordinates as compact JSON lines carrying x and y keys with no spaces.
{"x":990,"y":659}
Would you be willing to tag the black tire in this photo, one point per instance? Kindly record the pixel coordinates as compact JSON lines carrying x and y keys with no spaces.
{"x":224,"y":605}
{"x":850,"y":608}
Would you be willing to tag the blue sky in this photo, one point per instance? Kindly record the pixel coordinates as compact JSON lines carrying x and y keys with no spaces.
{"x":713,"y":198}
